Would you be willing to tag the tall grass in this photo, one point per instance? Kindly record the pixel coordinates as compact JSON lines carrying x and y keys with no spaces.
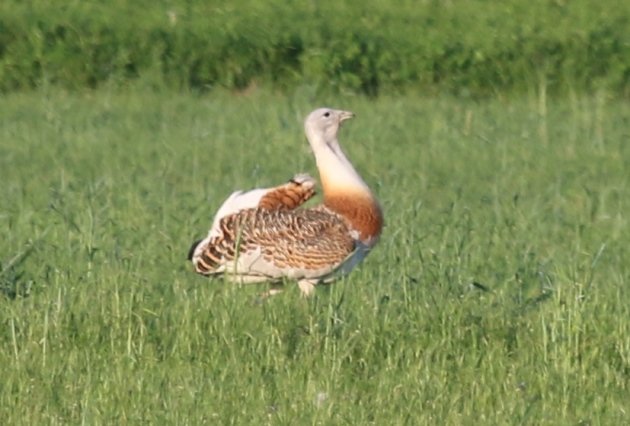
{"x":498,"y":294}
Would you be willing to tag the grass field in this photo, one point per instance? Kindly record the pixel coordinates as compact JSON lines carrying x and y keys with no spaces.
{"x":497,"y":295}
{"x":466,"y":47}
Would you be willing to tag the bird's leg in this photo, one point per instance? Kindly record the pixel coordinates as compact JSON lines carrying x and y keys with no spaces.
{"x":307,"y":287}
{"x":274,"y":289}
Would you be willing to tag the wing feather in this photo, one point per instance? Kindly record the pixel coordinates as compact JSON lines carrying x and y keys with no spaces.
{"x":276,"y":243}
{"x":288,"y":196}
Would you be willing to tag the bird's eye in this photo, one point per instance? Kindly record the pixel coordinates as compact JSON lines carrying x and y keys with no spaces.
{"x":327,"y":114}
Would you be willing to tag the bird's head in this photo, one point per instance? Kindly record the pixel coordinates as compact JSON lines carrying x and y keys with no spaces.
{"x":322,"y":125}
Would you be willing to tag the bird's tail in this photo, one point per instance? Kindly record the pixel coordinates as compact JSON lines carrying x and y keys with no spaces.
{"x":192,"y":249}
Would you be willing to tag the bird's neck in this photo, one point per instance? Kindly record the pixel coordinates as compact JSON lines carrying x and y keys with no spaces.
{"x":347,"y":194}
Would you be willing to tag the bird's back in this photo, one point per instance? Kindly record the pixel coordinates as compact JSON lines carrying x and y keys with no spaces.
{"x":261,"y":244}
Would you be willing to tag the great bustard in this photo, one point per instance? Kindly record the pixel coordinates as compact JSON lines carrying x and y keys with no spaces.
{"x":262,"y":235}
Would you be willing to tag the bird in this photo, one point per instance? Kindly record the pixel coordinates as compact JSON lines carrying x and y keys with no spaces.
{"x":267,"y":235}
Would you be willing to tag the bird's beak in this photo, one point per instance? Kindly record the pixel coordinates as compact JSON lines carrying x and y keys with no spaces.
{"x":345,"y":115}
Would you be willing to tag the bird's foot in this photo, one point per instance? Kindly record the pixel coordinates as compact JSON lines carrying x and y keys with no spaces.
{"x":307,"y":287}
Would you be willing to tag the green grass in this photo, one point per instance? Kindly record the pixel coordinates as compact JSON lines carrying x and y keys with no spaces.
{"x":470,"y":48}
{"x":103,"y":322}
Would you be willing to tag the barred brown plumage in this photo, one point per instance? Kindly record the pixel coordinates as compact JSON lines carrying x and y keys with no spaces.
{"x":264,"y":235}
{"x":312,"y":239}
{"x":287,"y":197}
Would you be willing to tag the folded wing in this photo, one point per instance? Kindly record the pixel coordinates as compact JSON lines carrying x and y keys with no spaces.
{"x":261,"y":244}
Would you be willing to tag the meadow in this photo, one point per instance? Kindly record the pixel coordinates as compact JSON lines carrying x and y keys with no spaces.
{"x":497,"y":295}
{"x":463,"y":47}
